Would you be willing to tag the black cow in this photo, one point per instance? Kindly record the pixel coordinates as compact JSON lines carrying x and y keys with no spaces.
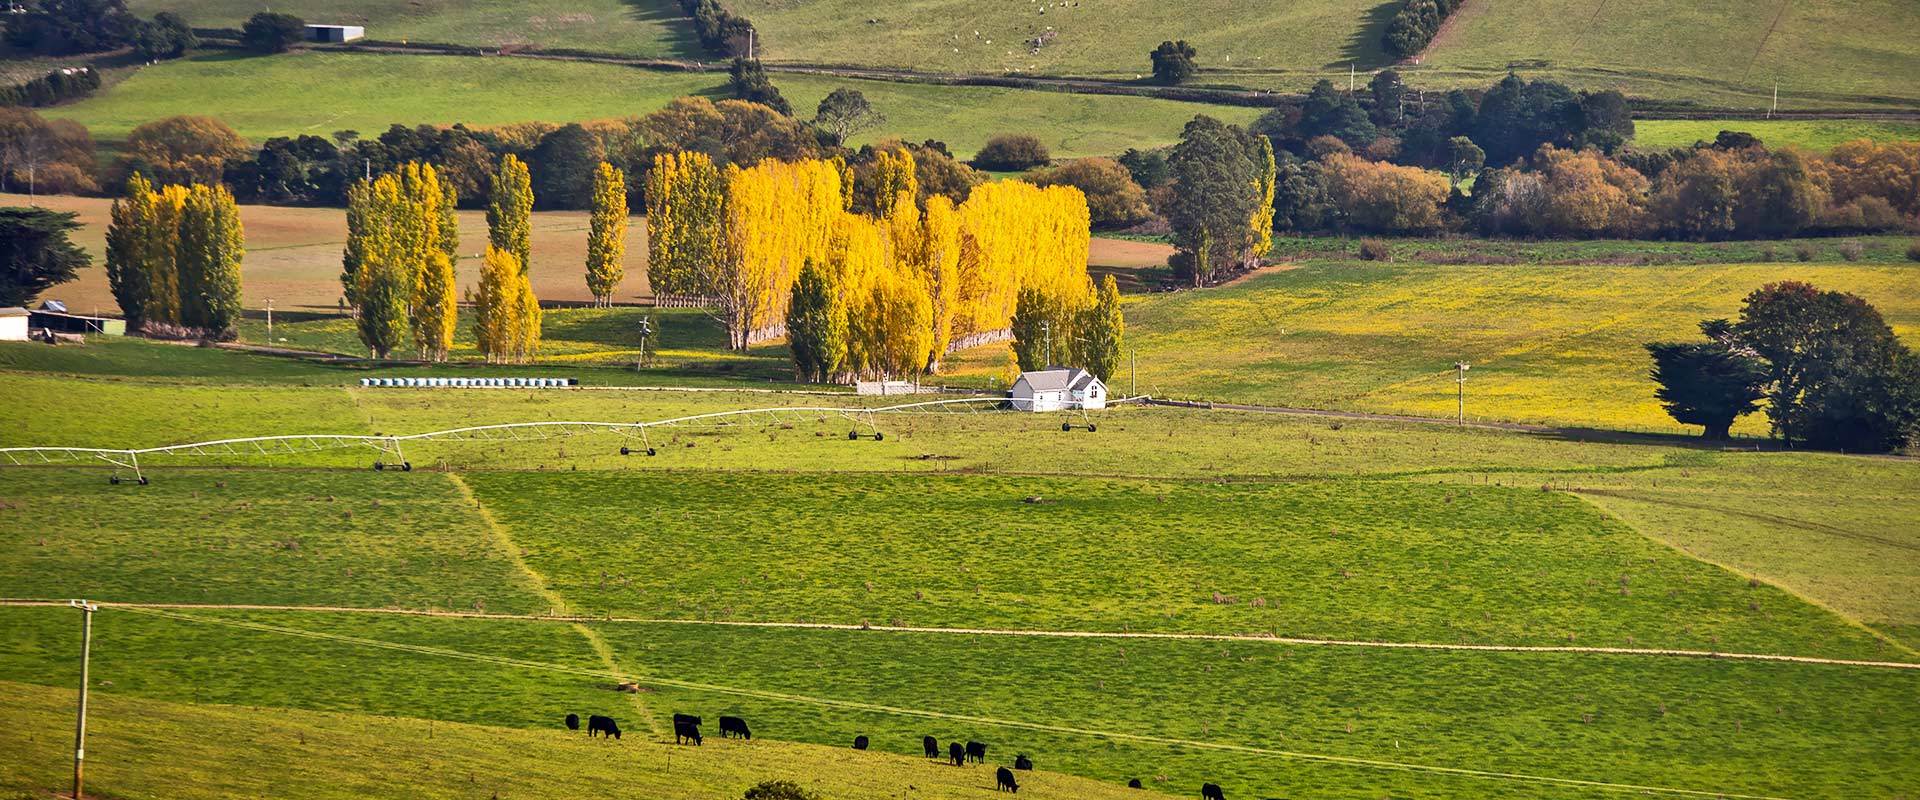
{"x":600,"y":724}
{"x":860,"y":742}
{"x":734,"y":726}
{"x":1133,"y":783}
{"x":957,"y":753}
{"x":976,"y":752}
{"x":686,"y":727}
{"x":1005,"y":777}
{"x":1022,"y":762}
{"x":1211,"y":791}
{"x":573,"y":722}
{"x":932,"y":745}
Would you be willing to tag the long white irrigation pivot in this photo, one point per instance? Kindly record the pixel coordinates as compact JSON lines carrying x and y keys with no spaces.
{"x":129,"y":458}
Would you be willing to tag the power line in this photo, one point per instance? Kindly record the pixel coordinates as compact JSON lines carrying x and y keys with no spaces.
{"x":968,"y":718}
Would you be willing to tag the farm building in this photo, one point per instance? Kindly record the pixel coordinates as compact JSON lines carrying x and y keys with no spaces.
{"x":59,"y":321}
{"x":13,"y":324}
{"x":1058,"y":388}
{"x":335,"y":33}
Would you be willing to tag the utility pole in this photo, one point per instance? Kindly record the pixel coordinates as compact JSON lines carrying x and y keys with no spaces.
{"x":80,"y":726}
{"x":646,"y":327}
{"x":269,"y":320}
{"x":1048,"y":328}
{"x":1462,"y":367}
{"x":1350,"y":76}
{"x":1133,"y":372}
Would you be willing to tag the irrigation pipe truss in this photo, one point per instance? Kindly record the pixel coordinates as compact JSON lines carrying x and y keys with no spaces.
{"x":129,"y":458}
{"x":1322,"y":758}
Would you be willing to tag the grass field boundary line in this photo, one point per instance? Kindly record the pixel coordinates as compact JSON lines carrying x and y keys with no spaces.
{"x":1589,"y":498}
{"x":504,"y":540}
{"x":830,"y":626}
{"x":967,"y":718}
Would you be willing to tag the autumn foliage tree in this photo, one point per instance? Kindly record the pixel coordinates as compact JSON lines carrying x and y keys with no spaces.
{"x":510,"y":210}
{"x":183,"y":149}
{"x":1384,"y":198}
{"x":402,"y":238}
{"x":683,"y":222}
{"x":173,"y":259}
{"x":607,"y":234}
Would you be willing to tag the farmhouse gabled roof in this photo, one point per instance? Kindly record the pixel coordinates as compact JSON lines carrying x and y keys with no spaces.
{"x":1056,"y":378}
{"x":14,"y":311}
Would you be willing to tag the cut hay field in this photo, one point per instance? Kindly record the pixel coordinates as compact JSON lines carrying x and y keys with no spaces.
{"x":1823,"y":134}
{"x":322,"y":92}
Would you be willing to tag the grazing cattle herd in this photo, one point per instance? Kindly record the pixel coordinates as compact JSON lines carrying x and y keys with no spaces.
{"x":686,"y":728}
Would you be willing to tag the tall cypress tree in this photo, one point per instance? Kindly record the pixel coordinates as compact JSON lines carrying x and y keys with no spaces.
{"x":128,"y":243}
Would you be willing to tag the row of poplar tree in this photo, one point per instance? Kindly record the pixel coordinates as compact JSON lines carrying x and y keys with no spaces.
{"x":774,"y":249}
{"x":403,"y":239}
{"x":173,"y":259}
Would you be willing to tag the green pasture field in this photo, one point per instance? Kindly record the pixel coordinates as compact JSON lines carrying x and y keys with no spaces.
{"x":644,"y":28}
{"x":1821,"y":135}
{"x":1377,"y":561}
{"x":1719,"y":726}
{"x":1838,"y":531}
{"x":328,"y":538}
{"x":1698,"y":724}
{"x":1548,"y":344}
{"x":138,"y":747}
{"x":1844,"y":54}
{"x":1109,"y":39}
{"x":321,"y":92}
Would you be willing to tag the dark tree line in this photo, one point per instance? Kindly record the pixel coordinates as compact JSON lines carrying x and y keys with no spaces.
{"x":1833,"y":374}
{"x":54,"y":87}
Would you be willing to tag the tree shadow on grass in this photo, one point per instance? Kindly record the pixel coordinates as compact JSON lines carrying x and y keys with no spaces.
{"x":667,"y":14}
{"x":1363,"y":50}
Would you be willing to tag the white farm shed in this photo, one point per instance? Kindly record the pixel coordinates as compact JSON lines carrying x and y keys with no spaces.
{"x":335,"y":33}
{"x":13,"y":324}
{"x":1058,"y":389}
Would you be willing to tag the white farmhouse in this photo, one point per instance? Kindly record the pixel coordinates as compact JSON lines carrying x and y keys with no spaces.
{"x":1058,"y":389}
{"x":13,"y":324}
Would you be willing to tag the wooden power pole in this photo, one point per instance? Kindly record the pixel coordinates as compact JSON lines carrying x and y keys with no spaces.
{"x":80,"y":725}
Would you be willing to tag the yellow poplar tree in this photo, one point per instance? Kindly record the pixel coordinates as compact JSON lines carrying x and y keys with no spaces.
{"x":777,"y":215}
{"x":495,"y":305}
{"x":684,"y":197}
{"x":607,"y":234}
{"x":940,"y":269}
{"x":526,"y":320}
{"x":510,"y":211}
{"x":162,"y":257}
{"x":892,"y":176}
{"x":1014,"y":235}
{"x":210,"y":245}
